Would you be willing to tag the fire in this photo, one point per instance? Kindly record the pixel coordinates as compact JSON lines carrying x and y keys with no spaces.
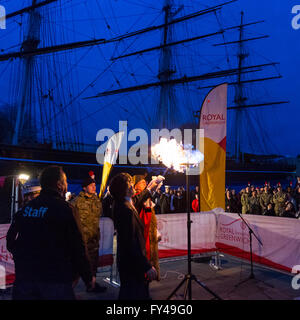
{"x":174,"y":155}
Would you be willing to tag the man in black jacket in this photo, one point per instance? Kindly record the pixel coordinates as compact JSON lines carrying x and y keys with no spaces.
{"x":133,"y":265}
{"x":47,"y":245}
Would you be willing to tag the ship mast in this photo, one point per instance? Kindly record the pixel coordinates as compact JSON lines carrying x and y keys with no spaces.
{"x":239,"y":93}
{"x":239,"y":85}
{"x":31,"y":40}
{"x":166,"y":111}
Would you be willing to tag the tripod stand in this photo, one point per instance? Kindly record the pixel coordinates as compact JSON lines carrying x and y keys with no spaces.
{"x":189,"y":277}
{"x":251,"y":232}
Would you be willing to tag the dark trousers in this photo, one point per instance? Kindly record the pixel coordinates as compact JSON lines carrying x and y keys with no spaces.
{"x":37,"y":290}
{"x":133,"y":288}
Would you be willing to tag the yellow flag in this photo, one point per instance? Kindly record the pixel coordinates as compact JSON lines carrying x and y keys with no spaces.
{"x":110,"y":158}
{"x":213,"y":121}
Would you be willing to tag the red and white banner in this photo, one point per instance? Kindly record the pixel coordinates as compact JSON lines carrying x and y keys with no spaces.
{"x":173,"y":230}
{"x":280,"y":238}
{"x":210,"y":231}
{"x":227,"y":233}
{"x":6,"y":261}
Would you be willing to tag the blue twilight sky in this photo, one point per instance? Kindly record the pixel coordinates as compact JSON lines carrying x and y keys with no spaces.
{"x":62,"y":80}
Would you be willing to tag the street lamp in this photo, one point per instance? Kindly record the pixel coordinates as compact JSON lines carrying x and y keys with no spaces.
{"x":21,"y":178}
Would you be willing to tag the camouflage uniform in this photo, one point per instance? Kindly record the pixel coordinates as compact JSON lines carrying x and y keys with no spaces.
{"x":254,"y":205}
{"x":279,"y":200}
{"x":265,"y":199}
{"x":89,"y":209}
{"x":245,"y":202}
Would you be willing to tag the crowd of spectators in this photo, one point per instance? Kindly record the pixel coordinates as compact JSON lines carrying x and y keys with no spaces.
{"x":173,"y":200}
{"x":267,"y":200}
{"x":258,"y":200}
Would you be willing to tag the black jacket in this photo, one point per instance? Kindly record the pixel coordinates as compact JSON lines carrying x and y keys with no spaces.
{"x":131,"y":253}
{"x":46,"y":242}
{"x":165,"y":200}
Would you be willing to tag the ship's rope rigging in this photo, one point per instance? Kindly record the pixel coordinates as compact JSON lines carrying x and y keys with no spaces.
{"x":91,"y":84}
{"x":119,"y":73}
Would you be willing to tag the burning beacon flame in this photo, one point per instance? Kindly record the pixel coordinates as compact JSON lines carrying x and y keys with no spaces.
{"x":174,"y":155}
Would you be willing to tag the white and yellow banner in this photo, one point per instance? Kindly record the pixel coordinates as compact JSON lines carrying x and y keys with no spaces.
{"x":213,"y":121}
{"x":110,"y":158}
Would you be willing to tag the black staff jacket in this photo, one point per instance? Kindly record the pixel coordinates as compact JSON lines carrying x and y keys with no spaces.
{"x":46,"y":242}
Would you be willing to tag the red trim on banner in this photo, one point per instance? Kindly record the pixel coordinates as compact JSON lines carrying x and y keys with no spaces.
{"x":222,"y":143}
{"x":239,"y":253}
{"x":10,"y":279}
{"x":178,"y":253}
{"x":105,"y":260}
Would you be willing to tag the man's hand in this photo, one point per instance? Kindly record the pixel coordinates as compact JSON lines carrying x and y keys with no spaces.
{"x":154,"y":183}
{"x":151,"y":274}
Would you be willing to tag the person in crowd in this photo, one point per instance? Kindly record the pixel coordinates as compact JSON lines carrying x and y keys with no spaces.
{"x":279,"y":200}
{"x":229,"y":202}
{"x":179,"y":202}
{"x":132,"y":260}
{"x":172,"y":197}
{"x":245,"y":201}
{"x":195,"y":203}
{"x":269,"y":211}
{"x":148,"y":217}
{"x":257,"y":191}
{"x":107,"y":203}
{"x":254,"y":204}
{"x":156,"y":200}
{"x":291,"y":199}
{"x":240,"y":199}
{"x":289,"y":211}
{"x":237,"y":207}
{"x":289,"y":191}
{"x":297,"y":214}
{"x":88,"y":207}
{"x":265,"y":198}
{"x":193,"y":194}
{"x":165,"y":201}
{"x":297,"y":197}
{"x":297,"y":183}
{"x":46,"y":243}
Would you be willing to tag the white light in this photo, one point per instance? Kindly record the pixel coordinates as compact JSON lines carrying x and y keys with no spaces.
{"x":175,"y":155}
{"x":23,"y":177}
{"x":68,"y":196}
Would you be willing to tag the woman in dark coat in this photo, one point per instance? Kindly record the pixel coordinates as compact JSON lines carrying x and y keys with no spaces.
{"x":134,"y":268}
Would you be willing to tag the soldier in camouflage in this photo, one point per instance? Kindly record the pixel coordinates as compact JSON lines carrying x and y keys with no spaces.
{"x":265,"y":198}
{"x":89,"y":209}
{"x":254,"y":205}
{"x":279,"y":200}
{"x":245,"y":201}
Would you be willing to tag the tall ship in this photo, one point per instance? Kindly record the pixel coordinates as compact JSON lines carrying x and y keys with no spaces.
{"x":71,"y":68}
